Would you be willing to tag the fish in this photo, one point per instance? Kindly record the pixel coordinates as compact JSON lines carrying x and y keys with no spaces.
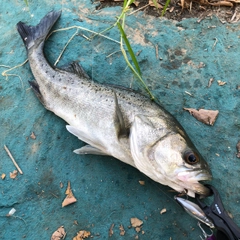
{"x":114,"y":120}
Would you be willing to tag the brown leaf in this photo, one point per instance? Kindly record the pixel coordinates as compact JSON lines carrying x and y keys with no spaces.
{"x":122,"y":231}
{"x":205,"y":116}
{"x":59,"y":234}
{"x":69,"y":199}
{"x":221,"y":83}
{"x":238,"y":149}
{"x":110,"y":232}
{"x":82,"y":235}
{"x":135,"y":222}
{"x":3,"y":176}
{"x":13,"y":174}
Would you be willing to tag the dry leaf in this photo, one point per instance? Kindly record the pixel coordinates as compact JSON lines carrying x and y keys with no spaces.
{"x":163,"y":211}
{"x":238,"y":149}
{"x":142,"y":182}
{"x":135,"y":222}
{"x":70,"y":197}
{"x":136,"y":3}
{"x":59,"y":234}
{"x":222,"y":3}
{"x":13,"y":174}
{"x":205,"y":116}
{"x":3,"y":176}
{"x":33,"y":136}
{"x":122,"y":231}
{"x":110,"y":232}
{"x":221,"y":83}
{"x":82,"y":235}
{"x":157,"y":5}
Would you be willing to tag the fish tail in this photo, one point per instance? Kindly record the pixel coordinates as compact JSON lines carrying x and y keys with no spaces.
{"x":34,"y":35}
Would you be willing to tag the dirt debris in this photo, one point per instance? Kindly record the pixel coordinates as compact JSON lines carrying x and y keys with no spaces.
{"x":82,"y":235}
{"x":164,"y":210}
{"x":238,"y":149}
{"x":13,"y":174}
{"x":110,"y":232}
{"x":33,"y":136}
{"x":122,"y":230}
{"x":59,"y":234}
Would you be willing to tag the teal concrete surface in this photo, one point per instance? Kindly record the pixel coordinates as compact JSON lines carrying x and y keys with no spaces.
{"x":107,"y":190}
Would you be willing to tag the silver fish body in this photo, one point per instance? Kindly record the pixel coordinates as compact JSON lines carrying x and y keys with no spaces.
{"x":115,"y":121}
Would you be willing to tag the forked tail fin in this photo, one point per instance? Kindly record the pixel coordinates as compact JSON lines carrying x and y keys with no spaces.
{"x":34,"y":35}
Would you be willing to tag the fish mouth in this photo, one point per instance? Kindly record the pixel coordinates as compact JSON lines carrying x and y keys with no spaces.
{"x":191,"y":181}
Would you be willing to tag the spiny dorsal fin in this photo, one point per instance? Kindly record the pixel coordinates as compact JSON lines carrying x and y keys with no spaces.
{"x":76,"y":68}
{"x":122,"y":130}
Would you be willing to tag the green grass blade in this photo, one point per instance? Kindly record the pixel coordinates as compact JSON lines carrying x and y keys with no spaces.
{"x":165,"y":7}
{"x":26,"y":2}
{"x":135,"y":62}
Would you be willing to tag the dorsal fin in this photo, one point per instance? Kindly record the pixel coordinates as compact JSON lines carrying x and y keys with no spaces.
{"x":75,"y":68}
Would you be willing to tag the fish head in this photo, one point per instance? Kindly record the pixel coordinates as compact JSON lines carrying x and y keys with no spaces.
{"x":162,"y":150}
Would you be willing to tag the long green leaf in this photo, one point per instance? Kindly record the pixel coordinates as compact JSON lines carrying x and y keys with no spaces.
{"x":165,"y":7}
{"x":135,"y":62}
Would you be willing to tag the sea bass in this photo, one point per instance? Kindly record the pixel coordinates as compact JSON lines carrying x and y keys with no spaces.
{"x":115,"y":121}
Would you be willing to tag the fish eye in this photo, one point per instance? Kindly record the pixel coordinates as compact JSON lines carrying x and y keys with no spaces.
{"x":190,"y":157}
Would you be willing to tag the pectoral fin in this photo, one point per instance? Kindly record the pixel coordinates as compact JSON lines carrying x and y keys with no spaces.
{"x":88,"y":149}
{"x":119,"y":120}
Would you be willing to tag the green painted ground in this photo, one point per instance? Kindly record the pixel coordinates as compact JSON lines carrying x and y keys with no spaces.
{"x":108,"y":191}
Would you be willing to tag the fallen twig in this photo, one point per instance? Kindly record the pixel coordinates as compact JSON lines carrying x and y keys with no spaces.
{"x":13,"y":160}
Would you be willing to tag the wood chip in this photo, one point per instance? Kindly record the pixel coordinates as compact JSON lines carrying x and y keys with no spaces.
{"x":59,"y":234}
{"x":3,"y":176}
{"x":142,"y":182}
{"x":221,"y":83}
{"x":82,"y":235}
{"x":13,"y":174}
{"x":33,"y":136}
{"x":163,"y":211}
{"x":203,"y":115}
{"x":135,"y":222}
{"x":70,"y":197}
{"x":238,"y":149}
{"x":122,"y":231}
{"x":110,"y":232}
